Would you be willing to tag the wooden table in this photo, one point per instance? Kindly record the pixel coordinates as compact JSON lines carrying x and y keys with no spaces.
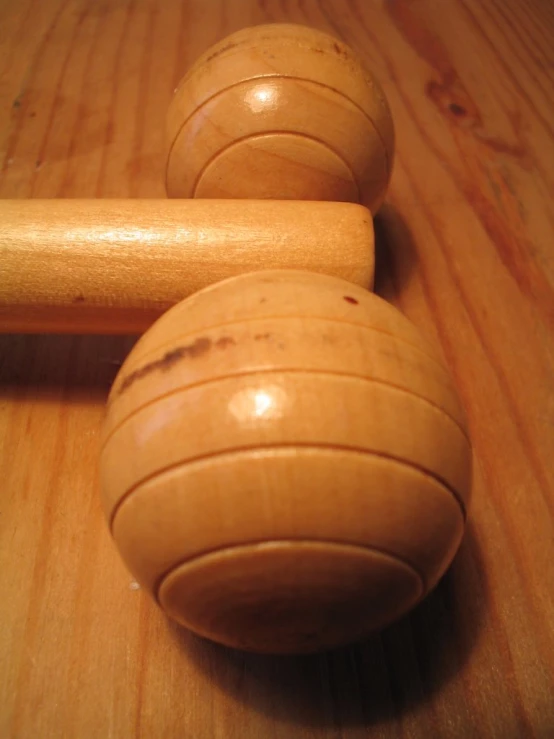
{"x":466,"y":249}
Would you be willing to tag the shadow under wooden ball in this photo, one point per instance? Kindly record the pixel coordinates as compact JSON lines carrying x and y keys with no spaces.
{"x":77,"y":364}
{"x":396,"y":256}
{"x":385,"y":676}
{"x":285,"y":465}
{"x":280,"y":111}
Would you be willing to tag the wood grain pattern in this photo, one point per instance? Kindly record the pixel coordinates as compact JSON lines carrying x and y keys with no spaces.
{"x":464,"y":248}
{"x":114,"y":266}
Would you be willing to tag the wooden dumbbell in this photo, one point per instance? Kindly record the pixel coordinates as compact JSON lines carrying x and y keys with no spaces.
{"x":285,"y":465}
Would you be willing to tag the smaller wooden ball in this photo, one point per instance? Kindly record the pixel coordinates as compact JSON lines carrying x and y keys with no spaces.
{"x":280,"y":111}
{"x":285,"y":465}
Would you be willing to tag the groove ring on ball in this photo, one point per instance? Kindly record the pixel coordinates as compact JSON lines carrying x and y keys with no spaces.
{"x":176,"y":161}
{"x":187,"y":492}
{"x":296,"y":150}
{"x":373,"y":588}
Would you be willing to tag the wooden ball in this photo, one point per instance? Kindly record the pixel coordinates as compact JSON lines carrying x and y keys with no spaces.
{"x":285,"y":465}
{"x":280,"y":111}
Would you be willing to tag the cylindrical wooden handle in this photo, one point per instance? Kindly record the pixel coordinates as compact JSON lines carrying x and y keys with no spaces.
{"x":113,"y":266}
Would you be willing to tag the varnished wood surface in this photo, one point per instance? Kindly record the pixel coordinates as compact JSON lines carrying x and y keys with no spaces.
{"x":115,"y":265}
{"x":264,"y":458}
{"x":465,"y":244}
{"x":282,"y":109}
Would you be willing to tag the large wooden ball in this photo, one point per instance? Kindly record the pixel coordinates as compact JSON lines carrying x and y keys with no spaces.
{"x":280,"y":111}
{"x":285,"y":465}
